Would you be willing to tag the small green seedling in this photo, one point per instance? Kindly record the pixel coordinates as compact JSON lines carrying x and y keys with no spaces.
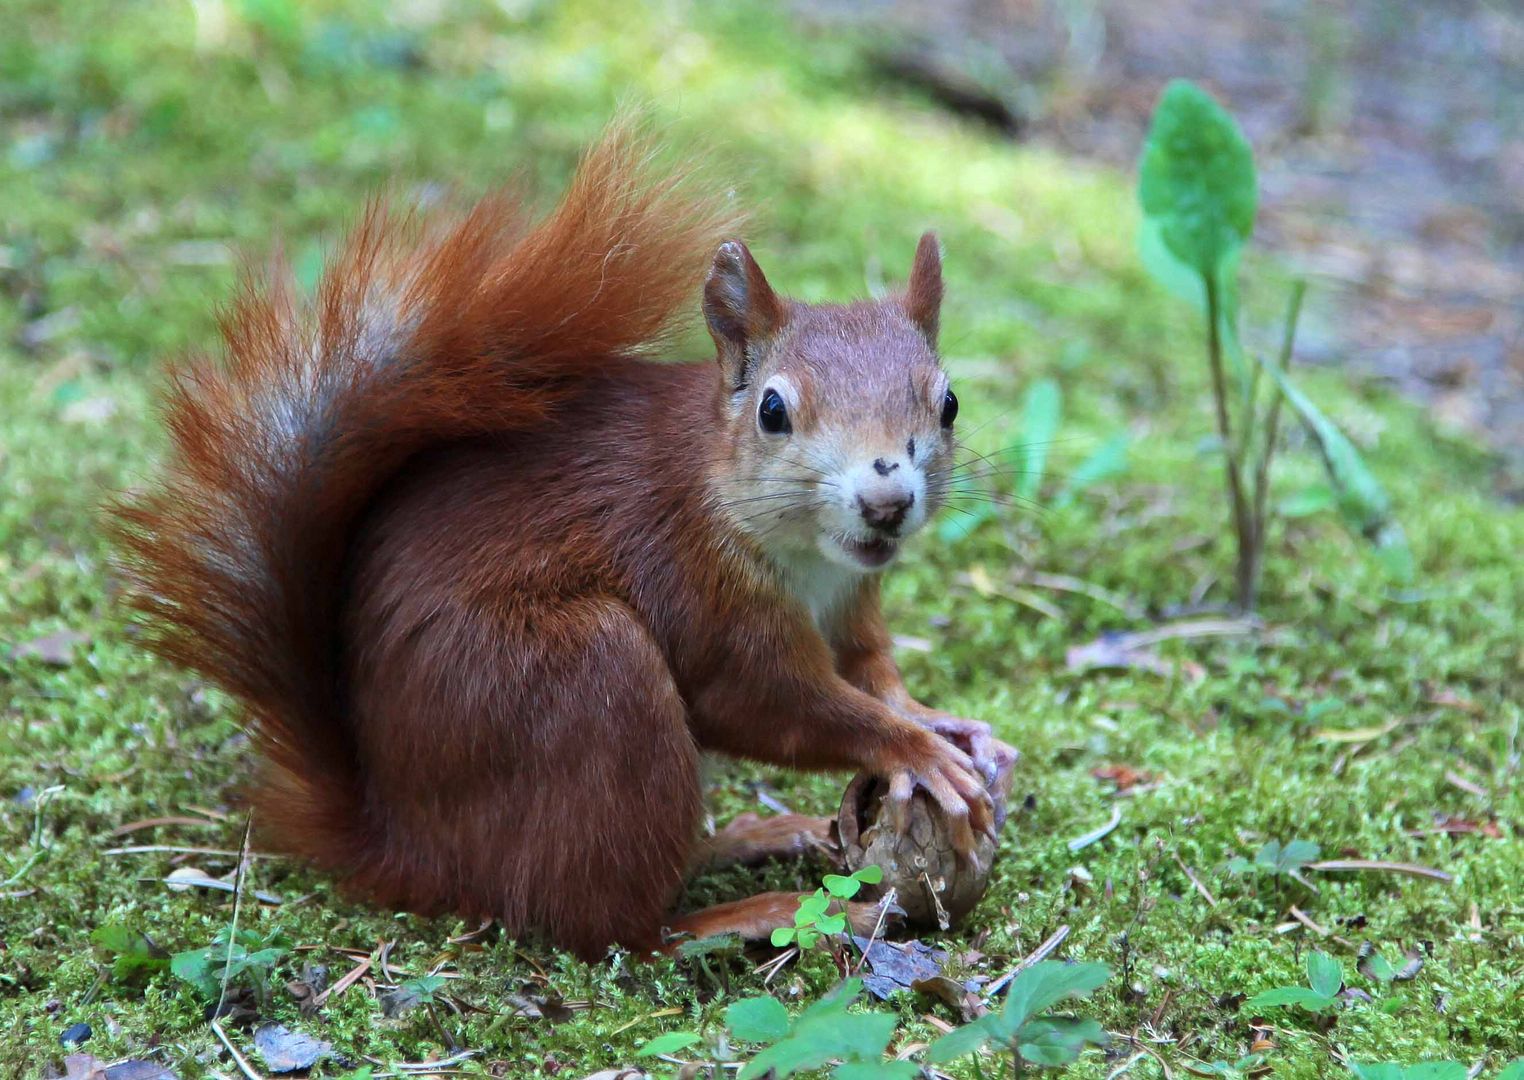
{"x":133,"y":955}
{"x":814,"y":919}
{"x":247,"y":962}
{"x":1325,"y":978}
{"x":1230,"y":1070}
{"x":1019,"y":1027}
{"x":1274,"y":858}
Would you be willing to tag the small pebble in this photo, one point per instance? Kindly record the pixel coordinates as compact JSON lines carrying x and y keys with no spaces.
{"x":75,"y":1034}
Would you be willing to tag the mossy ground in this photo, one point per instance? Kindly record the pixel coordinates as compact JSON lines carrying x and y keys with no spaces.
{"x":144,"y":142}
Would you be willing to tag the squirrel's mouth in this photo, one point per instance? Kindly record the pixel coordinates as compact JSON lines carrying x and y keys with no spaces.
{"x":871,"y":553}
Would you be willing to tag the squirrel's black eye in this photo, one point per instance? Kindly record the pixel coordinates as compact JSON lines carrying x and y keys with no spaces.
{"x":772,"y":415}
{"x":949,"y":409}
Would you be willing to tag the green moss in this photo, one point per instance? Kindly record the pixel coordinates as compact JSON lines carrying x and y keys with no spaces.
{"x":152,"y":140}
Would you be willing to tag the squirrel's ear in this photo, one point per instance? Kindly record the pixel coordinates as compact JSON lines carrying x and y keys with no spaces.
{"x":923,"y":296}
{"x":739,"y":306}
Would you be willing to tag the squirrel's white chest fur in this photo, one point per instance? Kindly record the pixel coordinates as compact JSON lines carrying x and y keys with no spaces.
{"x":821,"y":585}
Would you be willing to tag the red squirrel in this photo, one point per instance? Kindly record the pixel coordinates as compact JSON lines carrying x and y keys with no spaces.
{"x":488,"y":577}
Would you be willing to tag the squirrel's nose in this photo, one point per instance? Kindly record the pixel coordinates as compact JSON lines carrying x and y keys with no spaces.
{"x":886,"y":510}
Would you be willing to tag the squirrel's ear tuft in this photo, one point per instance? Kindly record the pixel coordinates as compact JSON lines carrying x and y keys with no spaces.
{"x":923,"y":296}
{"x":740,"y":308}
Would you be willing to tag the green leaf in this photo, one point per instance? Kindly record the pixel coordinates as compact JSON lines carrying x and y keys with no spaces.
{"x":1324,"y":974}
{"x":871,"y":874}
{"x":1361,"y":499}
{"x":757,"y":1019}
{"x":196,"y":967}
{"x":782,"y":936}
{"x":1045,"y":984}
{"x":1286,"y":996}
{"x":1382,"y":1071}
{"x":844,"y":887}
{"x":668,"y":1043}
{"x":877,"y":1070}
{"x":1296,"y":855}
{"x":1514,"y":1070}
{"x":963,"y":1041}
{"x":806,"y":937}
{"x":812,"y":907}
{"x":1108,"y":460}
{"x":1436,"y":1070}
{"x":820,"y":1039}
{"x":424,"y":987}
{"x":1042,"y":407}
{"x":831,"y":924}
{"x":1197,"y":179}
{"x":1376,"y":967}
{"x":1058,"y":1041}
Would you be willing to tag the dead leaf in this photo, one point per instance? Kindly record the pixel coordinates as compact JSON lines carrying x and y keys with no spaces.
{"x":954,"y":994}
{"x":89,"y":1067}
{"x":284,"y":1050}
{"x":1116,"y":651}
{"x":55,"y":649}
{"x":897,"y":966}
{"x":533,"y":1006}
{"x":308,"y":988}
{"x":1123,"y":776}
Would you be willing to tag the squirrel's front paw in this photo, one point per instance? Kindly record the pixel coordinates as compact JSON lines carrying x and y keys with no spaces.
{"x":950,"y":777}
{"x":992,"y":758}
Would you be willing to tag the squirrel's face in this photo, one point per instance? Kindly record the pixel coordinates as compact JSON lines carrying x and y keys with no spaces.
{"x":841,"y":417}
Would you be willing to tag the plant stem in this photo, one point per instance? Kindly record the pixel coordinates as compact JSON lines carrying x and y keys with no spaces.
{"x":1272,"y":425}
{"x":1246,"y":578}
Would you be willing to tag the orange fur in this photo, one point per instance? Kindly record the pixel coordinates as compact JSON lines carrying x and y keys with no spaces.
{"x":465,"y":557}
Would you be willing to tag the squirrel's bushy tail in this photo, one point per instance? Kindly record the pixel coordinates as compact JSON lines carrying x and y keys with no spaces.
{"x":421,"y":331}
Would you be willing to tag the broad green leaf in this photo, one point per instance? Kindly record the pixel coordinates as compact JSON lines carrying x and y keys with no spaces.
{"x":963,"y":1041}
{"x":812,"y":907}
{"x":1313,"y":499}
{"x":822,"y":1038}
{"x":831,"y":924}
{"x":877,"y":1070}
{"x":1108,"y":460}
{"x":1361,"y":499}
{"x":806,"y":937}
{"x":1197,"y":178}
{"x":842,"y":886}
{"x":1041,"y":410}
{"x":871,"y":874}
{"x":668,"y":1043}
{"x":1324,"y":974}
{"x":1436,"y":1070}
{"x":1514,"y":1070}
{"x":203,"y":968}
{"x":1380,"y":1071}
{"x":783,"y":935}
{"x":1045,"y":984}
{"x":1057,"y":1041}
{"x":757,"y":1019}
{"x":1285,"y":996}
{"x":1376,"y":967}
{"x":1296,"y":855}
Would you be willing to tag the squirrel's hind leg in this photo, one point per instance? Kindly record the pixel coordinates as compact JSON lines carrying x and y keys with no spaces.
{"x":543,"y":772}
{"x":756,"y":917}
{"x":749,"y":840}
